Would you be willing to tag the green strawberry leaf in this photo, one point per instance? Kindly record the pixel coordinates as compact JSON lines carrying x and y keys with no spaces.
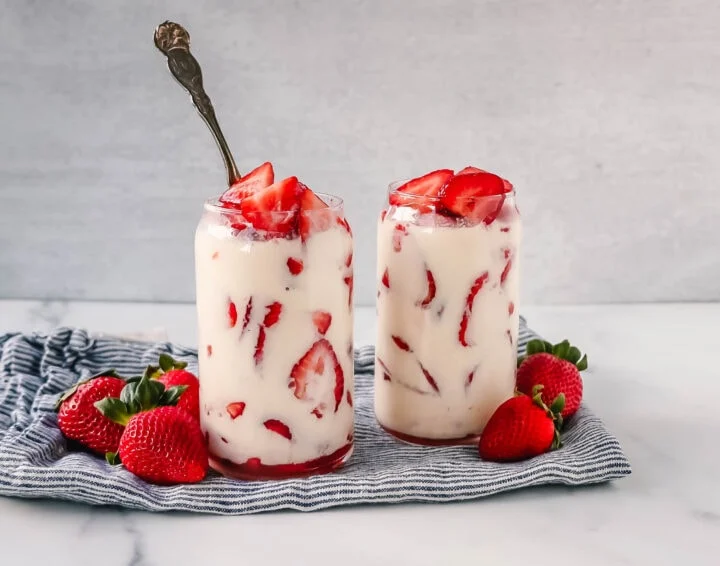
{"x":558,"y":404}
{"x":547,"y":347}
{"x":167,"y":363}
{"x":573,"y":355}
{"x":152,"y":372}
{"x":561,"y":350}
{"x":128,"y":396}
{"x":582,"y":364}
{"x":112,"y":458}
{"x":144,"y":394}
{"x":534,"y":347}
{"x":114,"y":409}
{"x":172,"y":395}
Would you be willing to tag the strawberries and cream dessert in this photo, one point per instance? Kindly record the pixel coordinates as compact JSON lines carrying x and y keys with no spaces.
{"x":274,"y":277}
{"x":447,"y":302}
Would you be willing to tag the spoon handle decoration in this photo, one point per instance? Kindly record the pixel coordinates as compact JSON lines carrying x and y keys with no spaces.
{"x":174,"y":41}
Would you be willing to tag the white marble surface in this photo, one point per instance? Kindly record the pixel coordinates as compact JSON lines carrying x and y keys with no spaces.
{"x":650,"y":380}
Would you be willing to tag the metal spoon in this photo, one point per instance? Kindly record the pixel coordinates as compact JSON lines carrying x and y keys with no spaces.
{"x":174,"y":41}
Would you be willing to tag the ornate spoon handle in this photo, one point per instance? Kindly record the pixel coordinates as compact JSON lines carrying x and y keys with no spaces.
{"x":174,"y":41}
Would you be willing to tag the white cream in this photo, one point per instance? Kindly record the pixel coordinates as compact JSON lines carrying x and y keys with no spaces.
{"x":233,"y":268}
{"x":457,"y":256}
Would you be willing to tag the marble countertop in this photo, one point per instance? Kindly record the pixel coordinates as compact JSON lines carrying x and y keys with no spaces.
{"x":649,"y":380}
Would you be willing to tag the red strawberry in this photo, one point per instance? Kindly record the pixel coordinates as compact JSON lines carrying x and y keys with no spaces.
{"x":469,"y":169}
{"x":420,"y":193}
{"x":478,"y":196}
{"x":295,"y":266}
{"x":274,"y":208}
{"x":259,"y":178}
{"x":557,"y":367}
{"x":248,"y":314}
{"x":161,"y":443}
{"x":235,"y":409}
{"x":273,"y":314}
{"x":522,"y":427}
{"x":278,"y":427}
{"x":79,"y":420}
{"x":317,"y":376}
{"x":474,"y":290}
{"x":170,"y":373}
{"x":232,"y":314}
{"x":315,"y":215}
{"x":164,"y":446}
{"x":322,"y":320}
{"x":432,"y":289}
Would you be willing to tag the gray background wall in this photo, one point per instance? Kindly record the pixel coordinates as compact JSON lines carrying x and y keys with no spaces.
{"x":605,"y":115}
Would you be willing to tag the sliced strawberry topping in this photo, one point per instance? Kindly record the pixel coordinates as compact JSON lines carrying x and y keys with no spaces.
{"x":511,"y":308}
{"x":259,"y":178}
{"x":295,"y":265}
{"x":209,"y":350}
{"x":469,"y":170}
{"x":309,"y":378}
{"x":273,"y":314}
{"x":232,"y":314}
{"x":315,"y":215}
{"x":348,"y":397}
{"x":425,"y":303}
{"x":248,"y":314}
{"x":274,"y":208}
{"x":430,"y":379}
{"x":322,"y":320}
{"x":474,"y":290}
{"x":400,"y":343}
{"x":477,"y":196}
{"x":278,"y":427}
{"x":235,"y":409}
{"x":419,"y":193}
{"x":386,"y":279}
{"x":398,"y":234}
{"x":260,"y":345}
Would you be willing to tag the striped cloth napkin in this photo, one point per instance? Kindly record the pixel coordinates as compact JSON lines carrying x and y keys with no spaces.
{"x":35,"y":462}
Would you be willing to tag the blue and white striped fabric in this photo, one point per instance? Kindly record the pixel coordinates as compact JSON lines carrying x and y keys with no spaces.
{"x":35,"y":462}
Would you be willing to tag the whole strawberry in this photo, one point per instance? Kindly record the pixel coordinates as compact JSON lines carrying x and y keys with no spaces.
{"x":79,"y":420}
{"x":161,"y":443}
{"x":522,"y":427}
{"x":557,"y":368}
{"x":170,"y":373}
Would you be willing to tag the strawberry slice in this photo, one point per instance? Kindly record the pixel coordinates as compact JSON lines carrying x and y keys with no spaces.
{"x":470,"y":169}
{"x":474,"y":290}
{"x":420,"y":192}
{"x":315,"y":215}
{"x":248,"y":314}
{"x":349,"y":281}
{"x":232,"y":314}
{"x":386,"y":279}
{"x":317,"y":376}
{"x":260,"y":346}
{"x":278,"y":427}
{"x":273,"y":314}
{"x":398,"y":232}
{"x":295,"y":265}
{"x":432,"y":289}
{"x":259,"y":178}
{"x":400,"y":343}
{"x":430,"y":379}
{"x":478,"y":196}
{"x":322,"y":320}
{"x":274,"y":208}
{"x":235,"y":409}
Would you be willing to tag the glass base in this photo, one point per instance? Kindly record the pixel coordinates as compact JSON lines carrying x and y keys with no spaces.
{"x":253,"y":469}
{"x":469,"y":439}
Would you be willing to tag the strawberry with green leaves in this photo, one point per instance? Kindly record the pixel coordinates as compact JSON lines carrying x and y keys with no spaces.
{"x":170,"y":373}
{"x":79,"y":420}
{"x":522,"y":427}
{"x":161,"y":443}
{"x":557,"y":367}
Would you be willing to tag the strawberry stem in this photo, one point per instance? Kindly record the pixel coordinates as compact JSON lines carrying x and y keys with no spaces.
{"x":563,"y":350}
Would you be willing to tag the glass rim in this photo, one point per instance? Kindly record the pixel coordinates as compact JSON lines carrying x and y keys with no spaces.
{"x":409,"y":197}
{"x":334,"y":202}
